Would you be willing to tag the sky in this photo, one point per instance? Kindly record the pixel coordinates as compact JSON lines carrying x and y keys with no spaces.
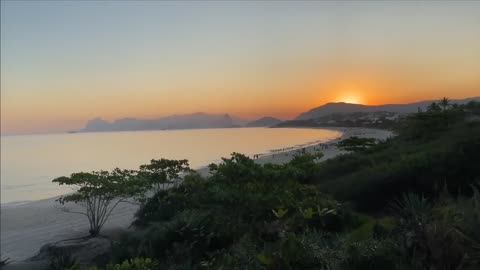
{"x":63,"y":63}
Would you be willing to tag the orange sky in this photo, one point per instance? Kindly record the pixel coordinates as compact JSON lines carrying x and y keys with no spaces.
{"x":65,"y":63}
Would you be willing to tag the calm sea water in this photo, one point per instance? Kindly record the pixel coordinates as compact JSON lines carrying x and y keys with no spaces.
{"x":29,"y":163}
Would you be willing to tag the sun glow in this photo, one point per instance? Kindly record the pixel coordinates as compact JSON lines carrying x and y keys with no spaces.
{"x":351,"y":99}
{"x":350,"y":93}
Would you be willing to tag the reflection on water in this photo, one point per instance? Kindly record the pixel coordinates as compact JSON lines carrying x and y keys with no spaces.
{"x":29,"y":163}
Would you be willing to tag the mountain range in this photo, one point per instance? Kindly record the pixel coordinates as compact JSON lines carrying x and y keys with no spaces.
{"x":205,"y":120}
{"x":186,"y":121}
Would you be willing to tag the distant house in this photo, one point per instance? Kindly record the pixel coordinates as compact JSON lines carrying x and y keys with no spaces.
{"x":392,"y":118}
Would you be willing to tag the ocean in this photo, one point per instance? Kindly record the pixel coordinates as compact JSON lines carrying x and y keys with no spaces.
{"x":30,"y":162}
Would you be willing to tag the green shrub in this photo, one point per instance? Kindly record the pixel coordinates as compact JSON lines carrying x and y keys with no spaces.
{"x":201,"y":217}
{"x":131,"y":264}
{"x":373,"y":254}
{"x":370,"y":179}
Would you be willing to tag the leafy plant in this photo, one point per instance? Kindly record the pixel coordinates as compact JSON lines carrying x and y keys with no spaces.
{"x":280,"y":213}
{"x":307,"y":213}
{"x":131,"y":264}
{"x":265,"y":259}
{"x":60,"y":260}
{"x":161,"y":174}
{"x":98,"y":193}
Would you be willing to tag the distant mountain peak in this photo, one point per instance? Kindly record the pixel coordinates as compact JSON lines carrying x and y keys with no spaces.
{"x":266,"y":121}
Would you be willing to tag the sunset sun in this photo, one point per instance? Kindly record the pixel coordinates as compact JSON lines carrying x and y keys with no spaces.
{"x":352,"y":93}
{"x":351,"y":96}
{"x":351,"y":99}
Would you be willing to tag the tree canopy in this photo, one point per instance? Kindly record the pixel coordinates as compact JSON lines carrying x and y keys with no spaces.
{"x":99,"y":193}
{"x":355,"y":143}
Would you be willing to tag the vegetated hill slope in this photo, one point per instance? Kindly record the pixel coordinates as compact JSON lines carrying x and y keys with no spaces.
{"x":342,"y":107}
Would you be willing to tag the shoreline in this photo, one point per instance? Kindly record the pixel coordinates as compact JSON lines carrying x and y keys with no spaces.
{"x":201,"y":169}
{"x":27,"y":226}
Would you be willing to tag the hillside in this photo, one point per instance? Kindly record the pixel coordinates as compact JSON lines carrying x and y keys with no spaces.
{"x":379,"y":119}
{"x":267,"y":121}
{"x":341,"y":107}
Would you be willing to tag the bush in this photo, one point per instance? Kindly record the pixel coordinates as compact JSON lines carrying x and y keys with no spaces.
{"x":373,"y":254}
{"x":132,"y":264}
{"x":370,"y":179}
{"x":200,"y":219}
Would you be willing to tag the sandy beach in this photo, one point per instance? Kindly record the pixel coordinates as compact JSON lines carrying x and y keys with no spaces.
{"x":27,"y":227}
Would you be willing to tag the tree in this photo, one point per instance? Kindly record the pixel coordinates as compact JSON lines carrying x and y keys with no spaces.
{"x":303,"y":167}
{"x":160,"y":174}
{"x":472,"y":107}
{"x":445,"y":103}
{"x":98,"y":193}
{"x":355,"y":143}
{"x":434,"y":107}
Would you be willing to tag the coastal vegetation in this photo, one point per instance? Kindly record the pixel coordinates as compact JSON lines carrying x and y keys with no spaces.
{"x":411,"y":202}
{"x":355,"y":143}
{"x":98,"y":194}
